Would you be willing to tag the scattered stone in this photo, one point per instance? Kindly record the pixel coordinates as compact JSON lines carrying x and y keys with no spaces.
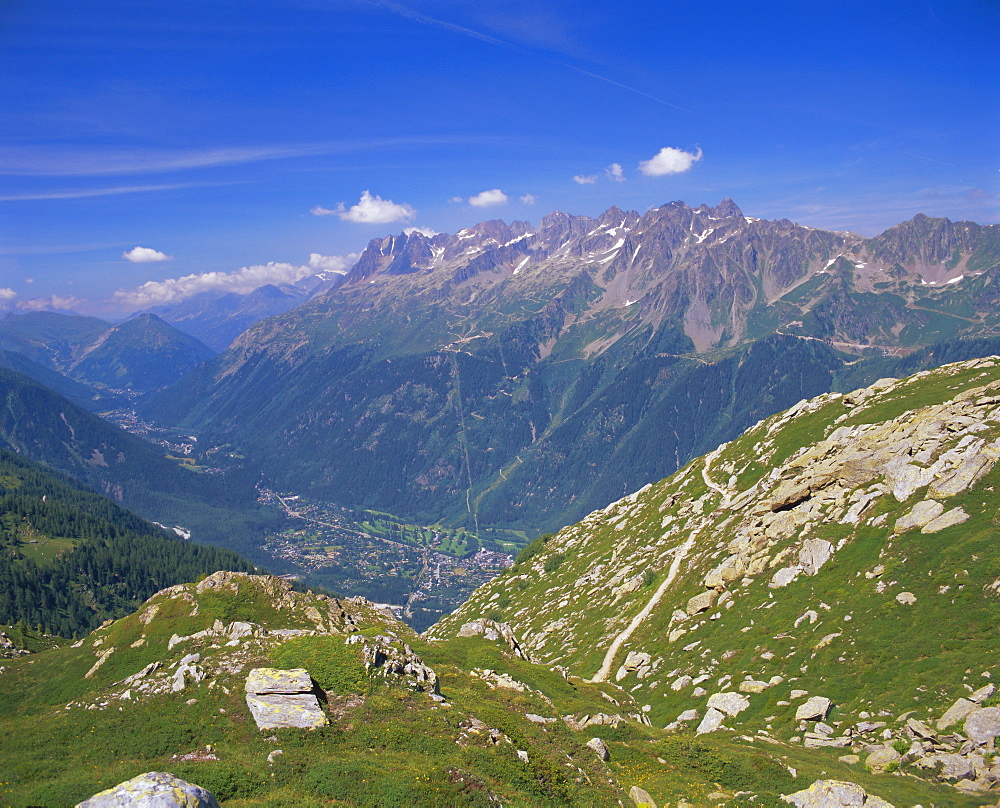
{"x":983,"y":693}
{"x":983,"y":725}
{"x":953,"y":517}
{"x":702,"y":602}
{"x":492,"y":630}
{"x":918,"y":729}
{"x":814,"y":554}
{"x":835,"y":794}
{"x":921,"y":514}
{"x":730,"y":703}
{"x":641,"y":797}
{"x":850,"y":760}
{"x":711,"y":722}
{"x":949,"y":766}
{"x":906,"y":598}
{"x":523,"y":756}
{"x":279,"y":698}
{"x":882,"y":759}
{"x":784,"y":577}
{"x":752,"y":686}
{"x":681,"y":682}
{"x":815,"y":709}
{"x":600,"y":748}
{"x":153,"y":790}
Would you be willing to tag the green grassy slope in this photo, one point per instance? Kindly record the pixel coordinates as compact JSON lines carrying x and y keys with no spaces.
{"x":86,"y":721}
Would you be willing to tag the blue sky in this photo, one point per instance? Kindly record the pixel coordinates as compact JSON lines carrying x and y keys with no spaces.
{"x":232,"y":141}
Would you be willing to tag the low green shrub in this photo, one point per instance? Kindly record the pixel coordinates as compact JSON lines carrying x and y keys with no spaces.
{"x":336,"y":667}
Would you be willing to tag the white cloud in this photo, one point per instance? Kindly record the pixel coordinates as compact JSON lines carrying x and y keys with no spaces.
{"x":486,"y":198}
{"x":580,"y":179}
{"x":7,"y":294}
{"x":669,"y":160}
{"x":155,"y":293}
{"x":456,"y":200}
{"x":528,"y":199}
{"x":614,"y":172}
{"x":332,"y":263}
{"x":49,"y":303}
{"x":424,"y":231}
{"x":144,"y":255}
{"x":369,"y":210}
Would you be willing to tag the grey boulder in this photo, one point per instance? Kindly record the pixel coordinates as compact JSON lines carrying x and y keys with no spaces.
{"x":152,"y":790}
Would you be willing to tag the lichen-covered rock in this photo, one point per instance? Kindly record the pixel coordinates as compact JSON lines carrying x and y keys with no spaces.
{"x":641,"y":797}
{"x":600,"y":748}
{"x":882,"y":759}
{"x":983,"y":724}
{"x":280,"y":698}
{"x":492,"y":630}
{"x":815,"y":709}
{"x":959,"y":710}
{"x":152,"y":790}
{"x":711,"y":722}
{"x":835,"y":794}
{"x":729,"y":703}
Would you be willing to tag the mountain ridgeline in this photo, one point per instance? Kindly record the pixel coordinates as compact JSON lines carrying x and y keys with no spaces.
{"x":516,"y":377}
{"x":139,"y":355}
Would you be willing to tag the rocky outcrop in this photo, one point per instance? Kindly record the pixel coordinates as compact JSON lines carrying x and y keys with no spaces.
{"x":152,"y":790}
{"x":390,"y":658}
{"x":835,"y":794}
{"x":284,"y":698}
{"x":492,"y":630}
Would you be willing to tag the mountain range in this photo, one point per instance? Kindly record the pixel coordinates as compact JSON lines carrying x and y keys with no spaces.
{"x":516,"y":377}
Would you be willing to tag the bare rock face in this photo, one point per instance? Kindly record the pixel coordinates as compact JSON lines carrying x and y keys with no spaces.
{"x":278,"y":698}
{"x":153,"y":790}
{"x":835,"y":794}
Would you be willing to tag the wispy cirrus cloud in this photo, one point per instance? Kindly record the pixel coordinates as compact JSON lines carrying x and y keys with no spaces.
{"x":79,"y":162}
{"x":86,"y":193}
{"x":585,"y":179}
{"x":369,"y":210}
{"x":527,"y":33}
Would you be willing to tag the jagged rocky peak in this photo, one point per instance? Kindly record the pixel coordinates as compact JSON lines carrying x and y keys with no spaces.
{"x":726,"y":209}
{"x":926,"y":243}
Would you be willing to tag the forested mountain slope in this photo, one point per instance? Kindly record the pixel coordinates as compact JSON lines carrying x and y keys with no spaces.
{"x":218,"y":508}
{"x":70,"y":559}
